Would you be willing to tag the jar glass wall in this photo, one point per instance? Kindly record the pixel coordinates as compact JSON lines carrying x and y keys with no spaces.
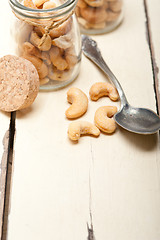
{"x":48,"y":35}
{"x":99,"y":16}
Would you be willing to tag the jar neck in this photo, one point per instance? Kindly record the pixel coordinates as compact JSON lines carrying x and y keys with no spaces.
{"x":55,"y":13}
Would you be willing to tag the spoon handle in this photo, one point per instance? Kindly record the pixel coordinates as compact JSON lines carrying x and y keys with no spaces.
{"x":90,"y":50}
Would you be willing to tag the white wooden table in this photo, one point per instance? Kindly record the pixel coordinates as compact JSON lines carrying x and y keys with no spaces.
{"x":105,"y":188}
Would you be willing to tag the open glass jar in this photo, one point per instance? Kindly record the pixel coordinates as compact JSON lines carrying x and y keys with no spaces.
{"x":47,"y":34}
{"x":99,"y":16}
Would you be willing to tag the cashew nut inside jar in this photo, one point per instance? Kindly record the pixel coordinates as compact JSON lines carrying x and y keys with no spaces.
{"x":99,"y":16}
{"x":46,"y":33}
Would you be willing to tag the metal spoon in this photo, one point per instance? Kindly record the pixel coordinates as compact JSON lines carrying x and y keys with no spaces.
{"x":137,"y":120}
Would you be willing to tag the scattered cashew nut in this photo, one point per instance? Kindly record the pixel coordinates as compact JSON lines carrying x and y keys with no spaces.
{"x":79,"y":102}
{"x":103,"y":119}
{"x":35,"y":40}
{"x":78,"y":128}
{"x":101,"y":89}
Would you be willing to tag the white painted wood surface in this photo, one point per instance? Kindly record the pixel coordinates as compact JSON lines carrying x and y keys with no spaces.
{"x":5,"y":48}
{"x":111,"y":182}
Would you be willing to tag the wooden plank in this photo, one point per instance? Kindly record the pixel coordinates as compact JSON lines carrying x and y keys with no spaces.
{"x":125,"y":185}
{"x":112,"y":182}
{"x":6,"y":48}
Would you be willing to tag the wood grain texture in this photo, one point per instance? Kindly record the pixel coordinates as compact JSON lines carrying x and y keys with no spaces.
{"x":100,"y":188}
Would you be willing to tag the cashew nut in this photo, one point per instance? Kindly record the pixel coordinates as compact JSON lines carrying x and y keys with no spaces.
{"x":30,"y":49}
{"x":78,"y":128}
{"x":57,"y":75}
{"x":38,"y":3}
{"x":71,"y":57}
{"x":39,"y":30}
{"x":111,"y":16}
{"x":93,"y":15}
{"x":43,"y":81}
{"x":81,"y":4}
{"x":79,"y":102}
{"x":103,"y":119}
{"x":49,"y":5}
{"x":77,"y":11}
{"x":35,"y":40}
{"x":115,"y":6}
{"x":63,"y":29}
{"x":95,"y":3}
{"x":101,"y":89}
{"x":64,"y":41}
{"x":57,"y":59}
{"x":41,"y":67}
{"x":95,"y":25}
{"x":29,"y":4}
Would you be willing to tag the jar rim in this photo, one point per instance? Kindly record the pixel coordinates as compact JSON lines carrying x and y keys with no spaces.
{"x":65,"y":8}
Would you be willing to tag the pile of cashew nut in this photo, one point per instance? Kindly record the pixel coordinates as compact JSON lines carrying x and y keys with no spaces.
{"x":97,"y":14}
{"x":56,"y":57}
{"x":103,"y":116}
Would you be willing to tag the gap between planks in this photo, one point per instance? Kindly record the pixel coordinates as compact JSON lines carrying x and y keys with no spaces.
{"x":155,"y":68}
{"x":6,"y":176}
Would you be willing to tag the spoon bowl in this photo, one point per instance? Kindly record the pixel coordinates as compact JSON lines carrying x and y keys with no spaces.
{"x":137,"y":120}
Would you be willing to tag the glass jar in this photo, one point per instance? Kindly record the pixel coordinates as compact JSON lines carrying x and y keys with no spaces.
{"x":99,"y":16}
{"x":49,"y":38}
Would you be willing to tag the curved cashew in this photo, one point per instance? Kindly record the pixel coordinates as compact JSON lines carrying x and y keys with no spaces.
{"x":63,"y":29}
{"x":41,"y":67}
{"x":38,"y":3}
{"x":56,"y":56}
{"x":29,"y":4}
{"x":35,"y":40}
{"x":39,"y":30}
{"x":28,"y":48}
{"x":64,"y":41}
{"x":57,"y":75}
{"x":43,"y":81}
{"x":111,"y":16}
{"x":79,"y":102}
{"x":49,"y":5}
{"x":101,"y":89}
{"x":103,"y":119}
{"x":116,"y":6}
{"x":93,"y":15}
{"x":71,"y":57}
{"x":78,"y":128}
{"x":81,"y":4}
{"x":95,"y":3}
{"x":95,"y":25}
